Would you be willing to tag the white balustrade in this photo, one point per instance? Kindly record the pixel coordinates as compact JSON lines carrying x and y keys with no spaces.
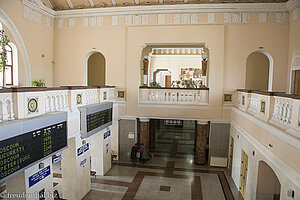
{"x":56,"y":100}
{"x":6,"y":107}
{"x":174,"y":96}
{"x":254,"y":104}
{"x":92,"y":96}
{"x":283,"y":108}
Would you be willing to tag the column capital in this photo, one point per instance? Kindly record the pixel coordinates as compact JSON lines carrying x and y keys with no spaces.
{"x":202,"y":122}
{"x":144,"y":119}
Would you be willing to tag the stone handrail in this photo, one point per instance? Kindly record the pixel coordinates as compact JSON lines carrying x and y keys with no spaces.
{"x":19,"y":102}
{"x":174,"y":96}
{"x":277,"y":108}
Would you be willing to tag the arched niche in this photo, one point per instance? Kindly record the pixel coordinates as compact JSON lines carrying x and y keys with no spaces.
{"x":259,"y":71}
{"x":295,"y":75}
{"x":95,"y":69}
{"x":268,"y":184}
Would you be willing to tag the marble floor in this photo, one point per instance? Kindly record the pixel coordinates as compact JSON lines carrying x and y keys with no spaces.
{"x":170,"y":174}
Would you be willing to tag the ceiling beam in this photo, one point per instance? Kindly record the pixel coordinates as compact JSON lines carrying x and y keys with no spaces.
{"x":70,"y":3}
{"x":50,"y":3}
{"x":114,"y":3}
{"x":92,"y":3}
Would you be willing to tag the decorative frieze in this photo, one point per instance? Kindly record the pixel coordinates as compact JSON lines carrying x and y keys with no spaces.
{"x":60,"y":23}
{"x":211,"y":18}
{"x":99,"y":21}
{"x":129,"y":20}
{"x":71,"y":22}
{"x":144,"y":19}
{"x":161,"y":18}
{"x":114,"y":20}
{"x":262,"y":18}
{"x":295,"y":14}
{"x":92,"y":21}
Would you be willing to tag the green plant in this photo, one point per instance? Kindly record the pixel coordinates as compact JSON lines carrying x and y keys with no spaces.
{"x":187,"y":84}
{"x":154,"y":84}
{"x":38,"y":82}
{"x":3,"y":43}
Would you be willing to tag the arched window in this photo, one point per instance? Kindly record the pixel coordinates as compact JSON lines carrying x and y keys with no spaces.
{"x":9,"y":66}
{"x":11,"y":69}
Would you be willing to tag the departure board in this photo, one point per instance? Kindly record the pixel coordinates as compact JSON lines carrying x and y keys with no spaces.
{"x":98,"y":119}
{"x":25,"y":149}
{"x":95,"y":117}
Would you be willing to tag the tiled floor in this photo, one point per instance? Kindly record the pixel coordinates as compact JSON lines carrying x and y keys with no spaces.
{"x":170,"y":175}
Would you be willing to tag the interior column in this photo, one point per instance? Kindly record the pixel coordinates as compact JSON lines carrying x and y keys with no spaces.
{"x":201,"y":140}
{"x":144,"y":133}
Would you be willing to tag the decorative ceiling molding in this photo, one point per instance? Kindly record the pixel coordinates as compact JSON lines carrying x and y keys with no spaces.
{"x":163,"y":9}
{"x":174,"y":9}
{"x":39,"y":8}
{"x":292,"y":4}
{"x":50,"y":4}
{"x":92,"y":3}
{"x":70,"y":3}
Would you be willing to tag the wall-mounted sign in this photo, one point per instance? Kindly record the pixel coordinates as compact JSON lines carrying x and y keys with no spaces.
{"x":32,"y":105}
{"x":40,"y":175}
{"x":106,"y":134}
{"x":57,"y":159}
{"x":79,"y":99}
{"x":82,"y":149}
{"x":83,"y":162}
{"x":173,"y":122}
{"x":131,"y":135}
{"x":95,"y":118}
{"x":26,"y":142}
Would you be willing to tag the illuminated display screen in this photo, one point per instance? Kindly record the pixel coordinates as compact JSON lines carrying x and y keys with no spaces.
{"x":98,"y":119}
{"x":18,"y":152}
{"x":95,"y":118}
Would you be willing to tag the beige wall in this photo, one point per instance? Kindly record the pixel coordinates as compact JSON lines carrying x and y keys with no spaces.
{"x":294,"y":41}
{"x":72,"y":47}
{"x":230,"y":45}
{"x":242,"y":40}
{"x":96,"y":69}
{"x":257,"y":71}
{"x":38,"y":39}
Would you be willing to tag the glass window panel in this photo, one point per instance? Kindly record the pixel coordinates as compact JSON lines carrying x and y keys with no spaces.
{"x":9,"y":58}
{"x":8,"y":48}
{"x":8,"y":75}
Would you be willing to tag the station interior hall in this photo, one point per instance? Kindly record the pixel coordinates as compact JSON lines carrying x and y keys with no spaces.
{"x":150,"y":99}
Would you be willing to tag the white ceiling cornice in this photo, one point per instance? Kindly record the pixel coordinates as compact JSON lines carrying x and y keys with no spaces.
{"x":166,"y":9}
{"x":292,"y":4}
{"x":40,"y":8}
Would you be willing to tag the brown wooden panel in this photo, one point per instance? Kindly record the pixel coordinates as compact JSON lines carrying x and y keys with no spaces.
{"x":151,"y":2}
{"x":128,"y":2}
{"x":78,"y":3}
{"x":60,"y":3}
{"x":98,"y":3}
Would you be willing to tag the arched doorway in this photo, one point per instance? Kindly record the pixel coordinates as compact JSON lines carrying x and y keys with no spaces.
{"x":268,"y":185}
{"x":96,"y":65}
{"x":259,"y":71}
{"x":163,"y":77}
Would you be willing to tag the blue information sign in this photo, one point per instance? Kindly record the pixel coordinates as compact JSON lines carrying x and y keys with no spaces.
{"x":40,"y":175}
{"x":106,"y":134}
{"x":82,"y":149}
